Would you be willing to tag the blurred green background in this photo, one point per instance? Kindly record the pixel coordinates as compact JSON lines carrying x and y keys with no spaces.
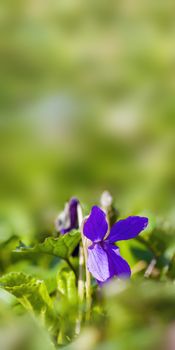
{"x":87,"y":103}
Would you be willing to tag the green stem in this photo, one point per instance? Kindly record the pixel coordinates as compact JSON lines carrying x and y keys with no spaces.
{"x":71,"y":266}
{"x":80,"y":290}
{"x":88,"y":295}
{"x":88,"y":282}
{"x":83,"y":257}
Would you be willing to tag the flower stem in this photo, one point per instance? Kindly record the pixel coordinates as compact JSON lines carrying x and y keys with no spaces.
{"x":80,"y":290}
{"x":88,"y":295}
{"x":71,"y":266}
{"x":83,"y":256}
{"x":88,"y":281}
{"x":81,"y":275}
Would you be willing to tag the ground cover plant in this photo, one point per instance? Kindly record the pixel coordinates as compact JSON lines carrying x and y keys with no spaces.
{"x":87,"y":211}
{"x":76,"y":287}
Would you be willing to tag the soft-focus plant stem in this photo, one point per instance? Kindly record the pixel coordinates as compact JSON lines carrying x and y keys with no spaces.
{"x":81,"y":274}
{"x":150,"y":268}
{"x":88,"y":276}
{"x":88,"y":283}
{"x":81,"y":282}
{"x":83,"y":256}
{"x":88,"y":295}
{"x":80,"y":289}
{"x":71,"y":266}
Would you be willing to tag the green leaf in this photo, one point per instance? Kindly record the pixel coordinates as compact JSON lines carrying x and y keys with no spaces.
{"x":67,"y":305}
{"x":66,"y":285}
{"x":31,"y":293}
{"x":22,"y":332}
{"x":61,"y":247}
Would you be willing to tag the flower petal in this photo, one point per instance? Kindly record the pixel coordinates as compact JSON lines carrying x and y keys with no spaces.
{"x":105,"y":262}
{"x":117,"y":265}
{"x":127,"y":228}
{"x":96,"y":225}
{"x":73,"y":204}
{"x":62,"y":223}
{"x":98,"y":263}
{"x":67,"y":220}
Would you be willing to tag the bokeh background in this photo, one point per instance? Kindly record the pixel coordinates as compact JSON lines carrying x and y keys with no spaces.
{"x":87,"y":103}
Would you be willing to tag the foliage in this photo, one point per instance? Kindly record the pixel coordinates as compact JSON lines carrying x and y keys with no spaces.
{"x":61,"y":247}
{"x":86,"y":102}
{"x":32,"y":294}
{"x":145,"y":304}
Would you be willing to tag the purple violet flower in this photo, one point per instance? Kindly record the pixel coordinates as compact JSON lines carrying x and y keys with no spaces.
{"x":104,"y":259}
{"x":67,"y":220}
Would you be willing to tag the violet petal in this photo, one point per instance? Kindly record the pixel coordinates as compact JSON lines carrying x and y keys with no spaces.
{"x":98,"y":263}
{"x":127,"y":228}
{"x":96,"y":225}
{"x":117,"y":265}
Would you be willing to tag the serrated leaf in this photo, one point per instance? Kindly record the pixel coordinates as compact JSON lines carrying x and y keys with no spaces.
{"x":32,"y":294}
{"x":62,"y":247}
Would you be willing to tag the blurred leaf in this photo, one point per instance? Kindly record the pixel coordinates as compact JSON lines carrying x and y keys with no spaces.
{"x":67,"y":305}
{"x":32,"y":294}
{"x":66,"y":285}
{"x":61,"y":247}
{"x":21,"y":331}
{"x":45,"y":273}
